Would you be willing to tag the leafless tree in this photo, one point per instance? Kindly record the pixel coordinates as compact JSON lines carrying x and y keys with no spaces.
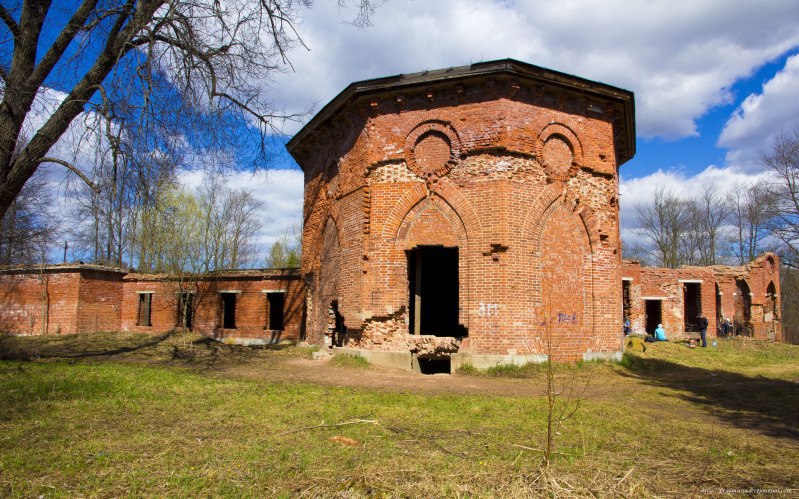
{"x":191,"y":68}
{"x":783,"y":160}
{"x":662,"y":223}
{"x":29,"y":225}
{"x":752,"y":210}
{"x":707,"y":217}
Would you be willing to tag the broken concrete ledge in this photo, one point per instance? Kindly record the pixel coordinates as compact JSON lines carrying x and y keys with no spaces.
{"x":487,"y":361}
{"x":614,"y":356}
{"x":390,"y":359}
{"x":408,"y":362}
{"x":255,"y":342}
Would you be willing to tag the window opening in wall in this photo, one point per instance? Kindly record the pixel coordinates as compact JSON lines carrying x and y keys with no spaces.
{"x":742,"y":322}
{"x":274,"y":310}
{"x":719,"y":317}
{"x":434,"y":366}
{"x":185,"y":310}
{"x":228,"y":310}
{"x":433,"y":291}
{"x":692,"y":305}
{"x":654,"y":315}
{"x":145,"y":304}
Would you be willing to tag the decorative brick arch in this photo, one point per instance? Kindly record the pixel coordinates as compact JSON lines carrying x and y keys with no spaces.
{"x":555,"y":197}
{"x":446,"y":192}
{"x":432,"y":148}
{"x":443,"y":208}
{"x":532,"y":223}
{"x":332,"y":218}
{"x":559,"y":150}
{"x":458,"y":229}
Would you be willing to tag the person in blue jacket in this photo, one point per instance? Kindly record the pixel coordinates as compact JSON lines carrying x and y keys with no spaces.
{"x":660,"y":333}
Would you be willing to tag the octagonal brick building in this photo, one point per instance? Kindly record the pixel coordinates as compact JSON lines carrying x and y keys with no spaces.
{"x":466,"y":215}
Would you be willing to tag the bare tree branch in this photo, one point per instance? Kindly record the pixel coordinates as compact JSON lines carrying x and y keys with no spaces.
{"x":73,"y":169}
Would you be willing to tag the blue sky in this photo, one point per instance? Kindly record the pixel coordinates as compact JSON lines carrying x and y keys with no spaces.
{"x":714,"y":80}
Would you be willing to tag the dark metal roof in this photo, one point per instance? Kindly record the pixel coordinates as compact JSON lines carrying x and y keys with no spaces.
{"x":503,"y":66}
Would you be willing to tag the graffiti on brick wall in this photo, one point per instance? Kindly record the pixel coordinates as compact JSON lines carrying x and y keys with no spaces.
{"x":567,"y":318}
{"x":488,"y":309}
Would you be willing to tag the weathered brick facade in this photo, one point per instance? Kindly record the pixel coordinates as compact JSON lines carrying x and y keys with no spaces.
{"x":511,"y":167}
{"x":89,"y":298}
{"x":749,"y":296}
{"x":468,"y":214}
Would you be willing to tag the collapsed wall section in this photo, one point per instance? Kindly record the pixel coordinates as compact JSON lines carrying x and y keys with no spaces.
{"x":746,"y":298}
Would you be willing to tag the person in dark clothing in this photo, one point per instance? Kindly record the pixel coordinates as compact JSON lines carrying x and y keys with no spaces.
{"x":702,"y":321}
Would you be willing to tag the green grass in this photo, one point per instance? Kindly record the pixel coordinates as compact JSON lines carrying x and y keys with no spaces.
{"x":349,"y":360}
{"x":165,"y":427}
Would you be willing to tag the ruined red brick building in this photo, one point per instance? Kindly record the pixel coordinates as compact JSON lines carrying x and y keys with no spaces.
{"x":747,"y":296}
{"x":247,"y":306}
{"x":464,"y":215}
{"x":471,"y":214}
{"x":465,"y":212}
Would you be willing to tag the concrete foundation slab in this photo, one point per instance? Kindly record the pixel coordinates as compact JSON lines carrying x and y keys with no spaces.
{"x":486,"y":361}
{"x":393,"y":360}
{"x":615,"y":356}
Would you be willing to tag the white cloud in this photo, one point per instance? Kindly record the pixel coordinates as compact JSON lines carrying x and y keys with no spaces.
{"x":680,"y":57}
{"x":760,"y":117}
{"x":635,"y":191}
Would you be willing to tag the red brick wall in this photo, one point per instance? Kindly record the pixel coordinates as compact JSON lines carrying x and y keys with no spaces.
{"x":650,"y":282}
{"x":87,"y":299}
{"x":99,"y":301}
{"x":251,"y":314}
{"x":23,"y":294}
{"x":531,"y":178}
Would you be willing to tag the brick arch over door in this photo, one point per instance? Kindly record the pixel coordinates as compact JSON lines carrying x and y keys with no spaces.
{"x":444,"y":190}
{"x":562,"y":241}
{"x":433,"y":221}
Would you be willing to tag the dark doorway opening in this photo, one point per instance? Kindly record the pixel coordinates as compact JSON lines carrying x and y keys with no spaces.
{"x":770,"y":310}
{"x":654,"y":315}
{"x":692,"y":305}
{"x":228,"y":310}
{"x":434,"y":366}
{"x":742,"y":322}
{"x":185,"y":310}
{"x":275,"y":302}
{"x":626,"y":301}
{"x":434,"y":291}
{"x":336,"y":326}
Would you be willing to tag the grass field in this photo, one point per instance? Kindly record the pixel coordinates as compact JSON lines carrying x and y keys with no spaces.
{"x":129,"y":415}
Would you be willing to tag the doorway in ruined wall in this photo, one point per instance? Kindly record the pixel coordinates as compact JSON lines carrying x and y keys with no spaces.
{"x":626,"y":301}
{"x":654,"y":315}
{"x":770,"y":310}
{"x":742,"y":322}
{"x":433,"y":291}
{"x":692,"y":305}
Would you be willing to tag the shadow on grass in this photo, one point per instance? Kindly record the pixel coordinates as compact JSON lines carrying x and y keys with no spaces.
{"x":13,"y":348}
{"x":770,"y":406}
